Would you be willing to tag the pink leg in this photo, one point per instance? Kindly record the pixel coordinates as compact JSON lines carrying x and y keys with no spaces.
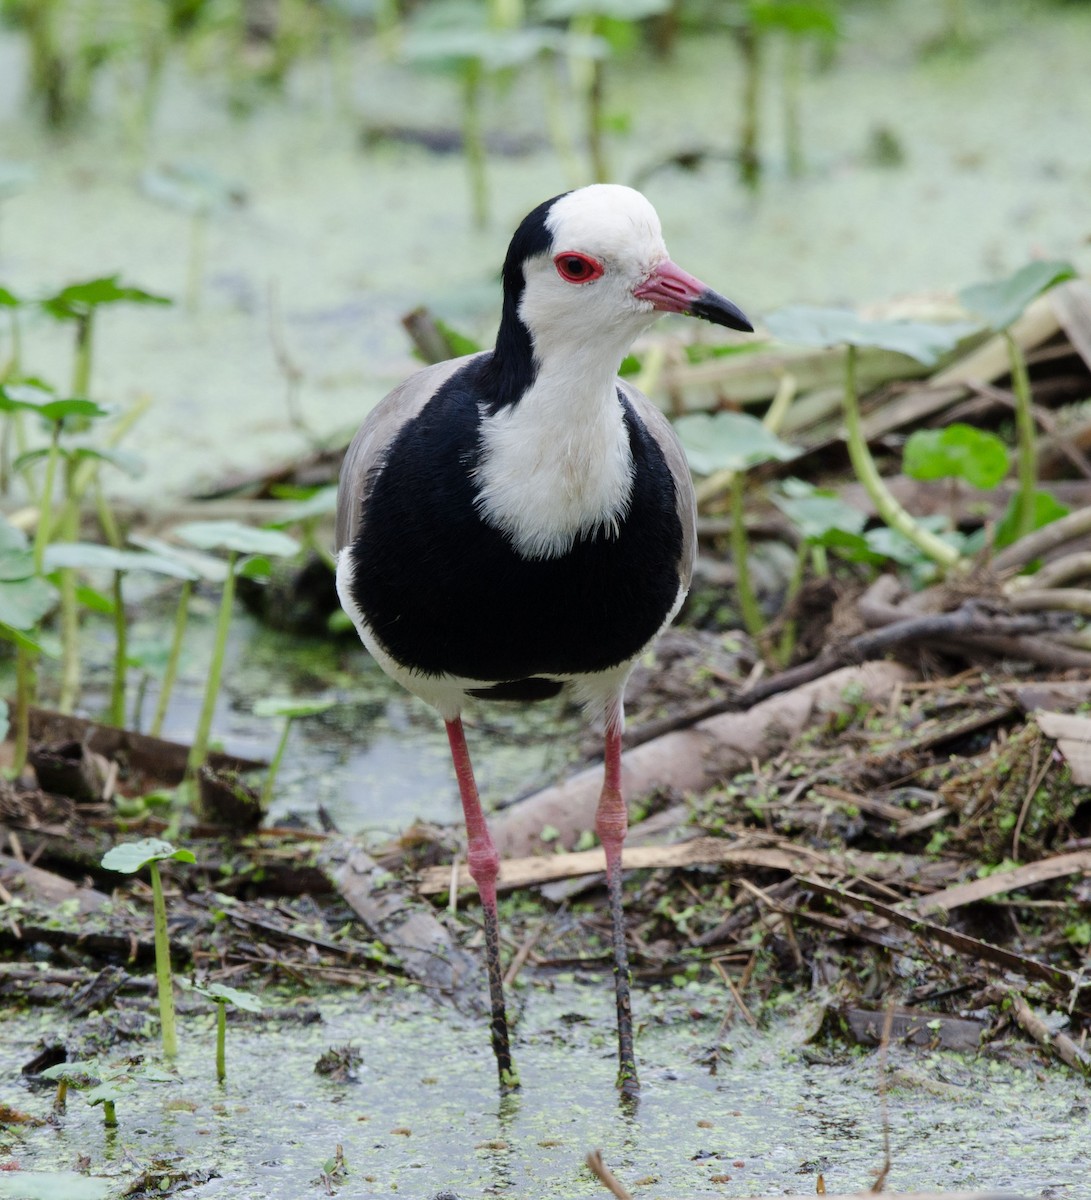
{"x":484,"y":864}
{"x":611,"y":825}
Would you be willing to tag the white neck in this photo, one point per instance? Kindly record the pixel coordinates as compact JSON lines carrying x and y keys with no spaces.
{"x":556,"y":465}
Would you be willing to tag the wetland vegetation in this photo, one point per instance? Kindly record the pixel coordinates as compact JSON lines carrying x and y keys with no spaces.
{"x":862,"y":918}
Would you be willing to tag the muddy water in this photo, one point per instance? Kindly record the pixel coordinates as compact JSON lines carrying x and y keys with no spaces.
{"x":997,"y":168}
{"x":423,"y":1115}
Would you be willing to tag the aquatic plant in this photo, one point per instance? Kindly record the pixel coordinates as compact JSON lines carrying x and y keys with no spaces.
{"x":89,"y":556}
{"x":221,"y":995}
{"x":1000,"y":304}
{"x":236,"y":539}
{"x":290,"y":709}
{"x":477,"y":45}
{"x":25,"y":599}
{"x":926,"y":342}
{"x":599,"y":30}
{"x":128,"y":858}
{"x":79,"y":303}
{"x":729,"y":444}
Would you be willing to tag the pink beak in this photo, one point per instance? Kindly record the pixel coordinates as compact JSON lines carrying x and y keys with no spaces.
{"x":670,"y":289}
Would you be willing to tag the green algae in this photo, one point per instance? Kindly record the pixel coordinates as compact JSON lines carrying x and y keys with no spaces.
{"x":424,"y":1116}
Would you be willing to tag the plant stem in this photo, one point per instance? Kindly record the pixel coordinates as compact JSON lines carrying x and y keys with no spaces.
{"x":1025,"y":434}
{"x":121,"y":655}
{"x":24,"y":695}
{"x":740,"y":552}
{"x":171,"y":672}
{"x":473,"y":141}
{"x":596,"y":123}
{"x":45,"y":504}
{"x":70,"y":609}
{"x":793,"y":135}
{"x":886,"y":505}
{"x":215,"y":669}
{"x":787,"y":643}
{"x":750,"y":43}
{"x":162,"y":966}
{"x":109,"y":1114}
{"x":221,"y":1039}
{"x":274,"y":766}
{"x":81,"y":371}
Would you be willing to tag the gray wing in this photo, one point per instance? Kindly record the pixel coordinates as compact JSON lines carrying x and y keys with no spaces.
{"x":370,"y":444}
{"x":663,"y":433}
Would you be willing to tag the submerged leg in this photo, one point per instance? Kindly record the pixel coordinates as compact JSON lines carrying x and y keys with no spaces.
{"x":484,"y":864}
{"x":611,"y":825}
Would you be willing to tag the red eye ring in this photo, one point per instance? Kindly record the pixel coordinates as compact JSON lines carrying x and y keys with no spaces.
{"x":574,"y":267}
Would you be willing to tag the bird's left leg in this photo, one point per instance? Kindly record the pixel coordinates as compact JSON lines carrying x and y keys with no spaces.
{"x":484,"y":863}
{"x":611,"y":825}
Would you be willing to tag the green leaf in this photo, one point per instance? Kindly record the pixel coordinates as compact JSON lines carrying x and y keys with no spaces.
{"x":896,"y":547}
{"x":8,"y":299}
{"x":257,"y":566}
{"x":191,"y":189}
{"x":242,"y":539}
{"x":816,"y":512}
{"x":958,"y":451}
{"x":289,"y":706}
{"x":79,"y":299}
{"x":129,"y":857}
{"x":24,"y":602}
{"x":95,"y":601}
{"x":18,"y":638}
{"x":110,"y":1090}
{"x":729,"y":441}
{"x":1000,"y":303}
{"x":90,"y":556}
{"x":321,"y":503}
{"x":926,"y":341}
{"x":16,"y":563}
{"x":35,"y":399}
{"x":54,"y":1185}
{"x":619,"y":10}
{"x":1045,"y":511}
{"x":203,"y":566}
{"x":80,"y":1074}
{"x":222,"y":994}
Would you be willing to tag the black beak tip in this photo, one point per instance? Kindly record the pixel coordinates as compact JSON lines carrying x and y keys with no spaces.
{"x":711,"y":306}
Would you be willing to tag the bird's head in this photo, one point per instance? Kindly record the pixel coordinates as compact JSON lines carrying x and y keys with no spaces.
{"x":590,"y":268}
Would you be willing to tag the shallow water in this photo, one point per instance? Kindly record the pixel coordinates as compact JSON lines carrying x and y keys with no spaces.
{"x":997,"y":169}
{"x":424,"y":1115}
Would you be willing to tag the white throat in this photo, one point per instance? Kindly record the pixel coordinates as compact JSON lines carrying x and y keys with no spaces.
{"x":556,"y":466}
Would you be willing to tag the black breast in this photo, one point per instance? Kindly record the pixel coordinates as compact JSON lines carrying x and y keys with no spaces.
{"x":446,"y":593}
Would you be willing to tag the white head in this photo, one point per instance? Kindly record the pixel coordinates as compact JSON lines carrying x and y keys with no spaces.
{"x":596,"y":273}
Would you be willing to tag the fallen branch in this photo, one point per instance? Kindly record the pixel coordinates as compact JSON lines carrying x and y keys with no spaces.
{"x":410,"y":930}
{"x":1059,"y":980}
{"x":1002,"y":882}
{"x":1056,"y":1041}
{"x":691,"y":760}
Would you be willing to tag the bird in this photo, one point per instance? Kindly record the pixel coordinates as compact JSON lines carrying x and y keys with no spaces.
{"x":521,"y":522}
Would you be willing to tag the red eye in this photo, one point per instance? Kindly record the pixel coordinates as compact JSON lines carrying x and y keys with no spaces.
{"x":577,"y":268}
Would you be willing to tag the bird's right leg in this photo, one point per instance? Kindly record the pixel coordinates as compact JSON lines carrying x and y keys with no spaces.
{"x":484,"y":864}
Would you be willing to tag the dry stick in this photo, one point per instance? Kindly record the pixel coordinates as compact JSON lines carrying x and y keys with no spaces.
{"x":523,"y":953}
{"x":964,"y":625}
{"x":1055,"y":573}
{"x":605,"y":1176}
{"x":1077,"y":600}
{"x":1060,"y":1043}
{"x":734,"y":996}
{"x":1036,"y":782}
{"x":884,"y":1045}
{"x":1049,"y":537}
